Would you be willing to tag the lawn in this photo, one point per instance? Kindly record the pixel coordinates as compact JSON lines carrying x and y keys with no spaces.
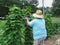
{"x":55,"y":19}
{"x":2,"y":26}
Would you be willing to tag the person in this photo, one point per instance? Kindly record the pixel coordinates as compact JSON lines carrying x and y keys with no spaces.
{"x":38,"y":26}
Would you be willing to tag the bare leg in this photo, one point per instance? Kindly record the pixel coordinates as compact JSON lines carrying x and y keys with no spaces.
{"x":41,"y":41}
{"x":36,"y":42}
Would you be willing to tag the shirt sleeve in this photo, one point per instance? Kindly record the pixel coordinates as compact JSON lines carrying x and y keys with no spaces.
{"x":31,"y":23}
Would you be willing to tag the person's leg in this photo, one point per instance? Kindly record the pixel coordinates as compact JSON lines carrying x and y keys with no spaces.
{"x":41,"y":41}
{"x":36,"y":42}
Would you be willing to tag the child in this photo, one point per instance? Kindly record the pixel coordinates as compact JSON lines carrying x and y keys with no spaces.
{"x":38,"y":26}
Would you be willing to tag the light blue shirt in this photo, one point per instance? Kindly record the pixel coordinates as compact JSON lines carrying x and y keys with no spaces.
{"x":39,"y":29}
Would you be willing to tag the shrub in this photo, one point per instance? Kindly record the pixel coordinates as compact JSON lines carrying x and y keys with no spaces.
{"x":57,"y":26}
{"x":16,"y":31}
{"x":51,"y":30}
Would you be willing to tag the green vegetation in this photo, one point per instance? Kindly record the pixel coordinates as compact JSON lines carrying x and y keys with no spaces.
{"x":56,"y":8}
{"x":14,"y":31}
{"x":49,"y":25}
{"x":52,"y":28}
{"x":2,"y":26}
{"x":56,"y":22}
{"x":52,"y":25}
{"x":55,"y":19}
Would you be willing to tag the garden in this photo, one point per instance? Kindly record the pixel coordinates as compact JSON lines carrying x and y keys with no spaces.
{"x":14,"y":31}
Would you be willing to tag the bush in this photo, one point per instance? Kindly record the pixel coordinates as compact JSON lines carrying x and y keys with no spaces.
{"x":15,"y":30}
{"x":51,"y":30}
{"x":57,"y":26}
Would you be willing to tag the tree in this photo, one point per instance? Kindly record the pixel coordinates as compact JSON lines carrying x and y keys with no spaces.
{"x":32,"y":2}
{"x":3,"y":11}
{"x":18,"y":2}
{"x":56,"y":7}
{"x":9,"y":2}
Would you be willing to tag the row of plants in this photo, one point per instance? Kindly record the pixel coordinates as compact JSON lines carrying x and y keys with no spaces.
{"x":16,"y":32}
{"x":57,"y":28}
{"x":52,"y":28}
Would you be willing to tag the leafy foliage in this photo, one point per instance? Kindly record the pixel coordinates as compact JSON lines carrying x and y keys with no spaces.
{"x":15,"y":30}
{"x":5,"y":4}
{"x":52,"y":27}
{"x":4,"y":11}
{"x":18,"y":2}
{"x":56,"y":7}
{"x":51,"y":30}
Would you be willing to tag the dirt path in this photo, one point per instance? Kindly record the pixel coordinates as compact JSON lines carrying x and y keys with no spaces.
{"x":53,"y":40}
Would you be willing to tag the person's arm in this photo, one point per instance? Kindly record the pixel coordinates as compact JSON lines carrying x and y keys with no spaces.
{"x":27,"y":21}
{"x":30,"y":23}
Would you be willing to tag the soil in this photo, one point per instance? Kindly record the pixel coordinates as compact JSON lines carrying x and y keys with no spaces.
{"x":54,"y":40}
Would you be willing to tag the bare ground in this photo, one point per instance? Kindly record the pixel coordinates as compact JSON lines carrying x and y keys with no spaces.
{"x":54,"y":40}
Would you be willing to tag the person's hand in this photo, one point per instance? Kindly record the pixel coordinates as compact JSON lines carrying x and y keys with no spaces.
{"x":26,"y":18}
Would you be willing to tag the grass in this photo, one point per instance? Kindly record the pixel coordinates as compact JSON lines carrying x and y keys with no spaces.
{"x":2,"y":23}
{"x":55,"y":19}
{"x":2,"y":26}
